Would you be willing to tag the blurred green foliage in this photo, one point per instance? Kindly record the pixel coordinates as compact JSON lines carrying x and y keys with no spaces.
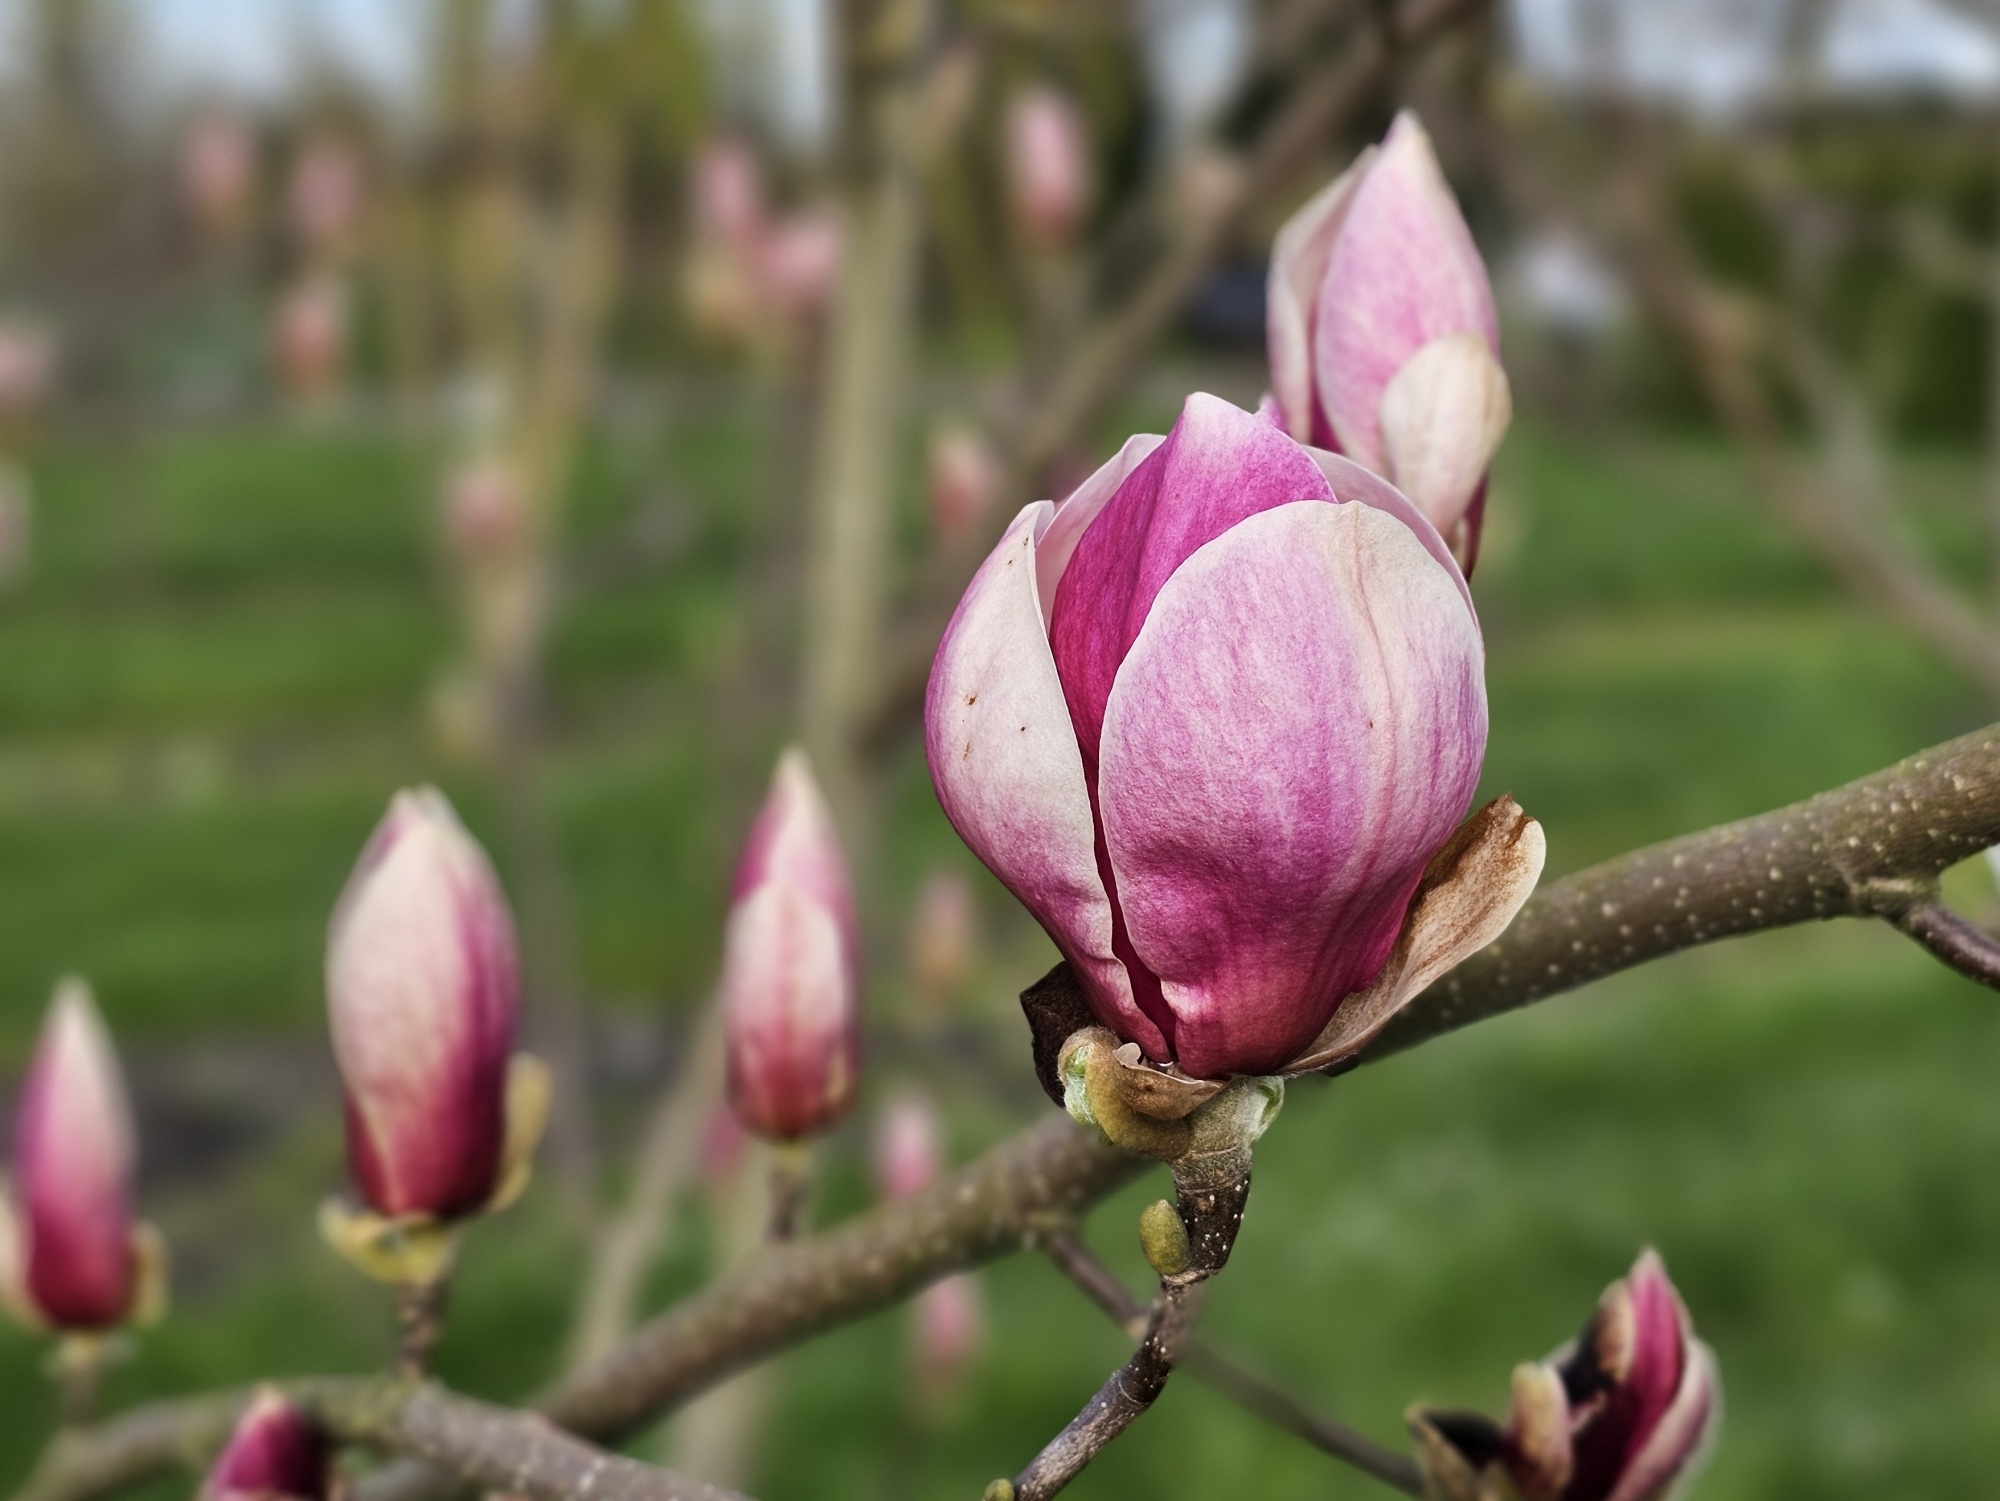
{"x":214,"y":679}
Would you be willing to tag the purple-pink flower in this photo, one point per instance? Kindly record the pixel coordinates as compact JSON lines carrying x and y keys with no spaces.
{"x":74,"y":1256}
{"x":423,"y":994}
{"x":273,"y":1454}
{"x":1383,"y":340}
{"x":791,"y":977}
{"x":1048,"y":164}
{"x":1624,"y":1412}
{"x":1210,"y":720}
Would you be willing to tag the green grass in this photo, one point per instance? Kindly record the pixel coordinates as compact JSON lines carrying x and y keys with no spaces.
{"x":217,"y":674}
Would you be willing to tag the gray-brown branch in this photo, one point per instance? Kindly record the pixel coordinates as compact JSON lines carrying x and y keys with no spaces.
{"x":1868,"y":849}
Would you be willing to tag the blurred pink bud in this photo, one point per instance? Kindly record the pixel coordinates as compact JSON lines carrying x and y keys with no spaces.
{"x":483,"y":509}
{"x":75,"y":1261}
{"x":1627,"y":1411}
{"x":27,"y":360}
{"x":310,"y":337}
{"x":906,"y":1147}
{"x":326,"y":192}
{"x":948,"y":1328}
{"x":798,"y":260}
{"x":964,"y":480}
{"x":422,"y":989}
{"x":1048,"y":164}
{"x":791,"y":974}
{"x":218,"y":166}
{"x":944,"y":934}
{"x":728,"y":193}
{"x":1210,"y":719}
{"x":1384,"y":343}
{"x":273,"y":1454}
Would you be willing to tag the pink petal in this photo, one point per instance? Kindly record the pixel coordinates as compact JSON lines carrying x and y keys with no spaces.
{"x":274,"y":1454}
{"x":1074,"y":515}
{"x":1679,"y":1444}
{"x":1403,"y":271}
{"x":73,"y":1162}
{"x":794,"y":840}
{"x":1296,"y":730}
{"x":789,"y":1011}
{"x":1008,"y":772}
{"x":423,"y":997}
{"x":1298,"y":263}
{"x":1217,"y":466}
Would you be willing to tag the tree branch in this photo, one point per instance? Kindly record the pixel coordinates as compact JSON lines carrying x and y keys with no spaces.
{"x":1851,"y":852}
{"x":1241,"y":1385}
{"x":1863,"y":850}
{"x":1970,"y":950}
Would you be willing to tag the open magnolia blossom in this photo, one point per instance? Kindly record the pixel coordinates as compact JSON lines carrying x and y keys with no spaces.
{"x":791,"y":973}
{"x":1383,"y":340}
{"x":1624,"y":1412}
{"x":72,"y":1256}
{"x":273,"y":1454}
{"x":1216,"y":720}
{"x":423,"y":995}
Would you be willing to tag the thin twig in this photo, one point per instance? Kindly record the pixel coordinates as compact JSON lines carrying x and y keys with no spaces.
{"x":1969,"y":949}
{"x":1201,"y":1360}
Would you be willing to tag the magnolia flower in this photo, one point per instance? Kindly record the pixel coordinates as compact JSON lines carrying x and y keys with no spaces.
{"x":1624,"y":1412}
{"x":1383,"y":340}
{"x":797,"y":260}
{"x":72,"y":1256}
{"x":944,"y":935}
{"x":1214,"y":721}
{"x":964,"y":480}
{"x":947,"y":1328}
{"x":218,"y":166}
{"x":326,"y":192}
{"x":309,"y":338}
{"x":728,"y":192}
{"x":1048,"y":164}
{"x":273,"y":1454}
{"x":906,"y":1147}
{"x":422,"y":990}
{"x":484,"y":509}
{"x":791,"y":975}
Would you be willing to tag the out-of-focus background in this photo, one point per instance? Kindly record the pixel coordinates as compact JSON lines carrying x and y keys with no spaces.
{"x":474,"y":392}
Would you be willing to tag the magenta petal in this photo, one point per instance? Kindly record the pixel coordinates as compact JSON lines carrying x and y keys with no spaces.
{"x":790,"y":1013}
{"x":1298,"y":262}
{"x":423,"y":998}
{"x":1074,"y":515}
{"x":1296,"y":730}
{"x":1219,"y":465}
{"x":1403,"y":271}
{"x":274,"y":1454}
{"x":794,"y":840}
{"x":73,"y":1162}
{"x":1009,"y":774}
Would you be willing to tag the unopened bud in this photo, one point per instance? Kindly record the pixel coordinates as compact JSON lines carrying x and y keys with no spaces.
{"x":1164,"y":1238}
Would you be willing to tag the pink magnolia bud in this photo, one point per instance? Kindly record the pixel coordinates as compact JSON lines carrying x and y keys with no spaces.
{"x":791,"y":974}
{"x":797,"y":262}
{"x":273,"y":1454}
{"x":75,"y":1252}
{"x":484,"y":510}
{"x":309,"y":339}
{"x":1627,"y":1411}
{"x":728,"y":193}
{"x":944,"y":934}
{"x":1209,"y":720}
{"x":218,"y":165}
{"x":1048,"y":164}
{"x":1384,"y":344}
{"x":326,"y":192}
{"x":964,"y":480}
{"x":422,"y":992}
{"x":906,"y":1147}
{"x":27,"y":360}
{"x":947,"y":1330}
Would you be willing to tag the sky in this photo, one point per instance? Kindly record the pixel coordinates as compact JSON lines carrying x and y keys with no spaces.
{"x":1716,"y":54}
